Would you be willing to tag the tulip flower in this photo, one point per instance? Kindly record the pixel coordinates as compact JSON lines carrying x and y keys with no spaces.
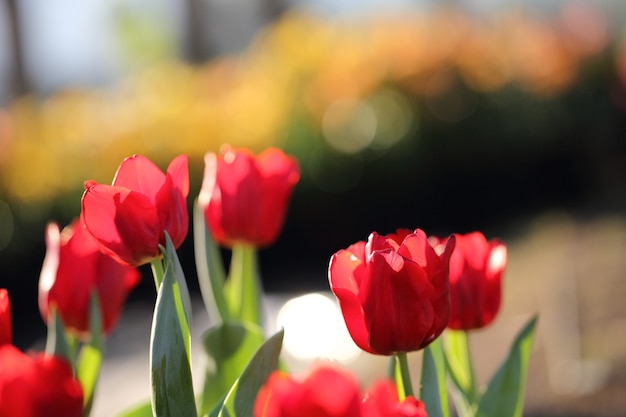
{"x":6,"y":334}
{"x":245,"y":197}
{"x":393,"y":291}
{"x":37,"y":386}
{"x":382,"y":401}
{"x":326,"y":392}
{"x":130,"y":217}
{"x":73,"y":268}
{"x":331,"y":392}
{"x":476,"y":269}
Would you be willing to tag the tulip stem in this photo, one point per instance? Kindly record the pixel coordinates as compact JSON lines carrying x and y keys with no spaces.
{"x":403,"y":365}
{"x":157,"y":271}
{"x":244,"y":284}
{"x":473,"y":392}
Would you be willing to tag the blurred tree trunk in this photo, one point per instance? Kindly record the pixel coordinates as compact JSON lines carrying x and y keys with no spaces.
{"x":198,"y":48}
{"x":18,"y":81}
{"x":273,"y":9}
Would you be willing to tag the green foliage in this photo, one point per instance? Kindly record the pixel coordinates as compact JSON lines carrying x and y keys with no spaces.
{"x":170,"y":372}
{"x":142,"y":410}
{"x":91,"y":354}
{"x":210,"y":268}
{"x":229,"y":346}
{"x":433,"y":383}
{"x":239,"y":401}
{"x":504,"y":396}
{"x":460,"y":369}
{"x":243,"y":288}
{"x":56,"y":341}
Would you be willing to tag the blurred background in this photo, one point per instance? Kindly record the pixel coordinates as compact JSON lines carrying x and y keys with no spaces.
{"x":505,"y":116}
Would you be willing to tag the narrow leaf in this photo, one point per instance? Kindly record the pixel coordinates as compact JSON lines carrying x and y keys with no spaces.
{"x":215,"y":411}
{"x":229,"y":347}
{"x":433,"y":390}
{"x":209,"y":266}
{"x":240,"y":399}
{"x":504,"y":396}
{"x":170,"y":372}
{"x":91,"y":354}
{"x":56,"y":342}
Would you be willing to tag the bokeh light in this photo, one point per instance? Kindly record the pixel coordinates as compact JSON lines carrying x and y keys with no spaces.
{"x":314,"y":328}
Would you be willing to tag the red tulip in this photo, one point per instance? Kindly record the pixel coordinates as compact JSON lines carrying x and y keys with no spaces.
{"x":73,"y":267}
{"x":326,"y":392}
{"x":245,"y":197}
{"x":130,"y":217}
{"x":393,"y":291}
{"x":476,"y":269}
{"x":6,"y":334}
{"x":38,"y":386}
{"x":382,"y":401}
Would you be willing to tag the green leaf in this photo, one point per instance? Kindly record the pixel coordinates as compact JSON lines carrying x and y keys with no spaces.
{"x":170,"y":371}
{"x":433,"y":390}
{"x":229,"y":346}
{"x":240,"y":399}
{"x":461,"y":371}
{"x":243,"y":288}
{"x":209,"y":266}
{"x":215,"y":411}
{"x":91,"y":354}
{"x":56,"y":341}
{"x":504,"y":396}
{"x":142,"y":410}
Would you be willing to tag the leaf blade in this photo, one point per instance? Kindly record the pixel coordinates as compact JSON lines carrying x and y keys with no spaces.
{"x":239,"y":401}
{"x":504,"y":396}
{"x":209,"y":267}
{"x":230,"y":346}
{"x":170,"y":339}
{"x":433,"y":380}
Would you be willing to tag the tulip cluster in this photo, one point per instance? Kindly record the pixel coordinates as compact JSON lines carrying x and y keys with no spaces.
{"x":331,"y":392}
{"x":398,"y":293}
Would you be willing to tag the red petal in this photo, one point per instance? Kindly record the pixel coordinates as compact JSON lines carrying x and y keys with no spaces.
{"x":396,"y":298}
{"x":57,"y":392}
{"x":115,"y":282}
{"x":75,"y":277}
{"x":139,"y":174}
{"x":278,"y":176}
{"x":39,"y":386}
{"x":171,"y":201}
{"x":379,"y":400}
{"x":343,"y":283}
{"x":126,"y":223}
{"x":328,"y":392}
{"x":274,"y":163}
{"x":417,"y":248}
{"x":240,"y":189}
{"x":179,"y":172}
{"x":6,"y":334}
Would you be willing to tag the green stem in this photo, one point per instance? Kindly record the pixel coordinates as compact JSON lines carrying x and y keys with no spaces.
{"x":244,"y":285}
{"x":157,"y":271}
{"x":472,"y":390}
{"x":405,"y":375}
